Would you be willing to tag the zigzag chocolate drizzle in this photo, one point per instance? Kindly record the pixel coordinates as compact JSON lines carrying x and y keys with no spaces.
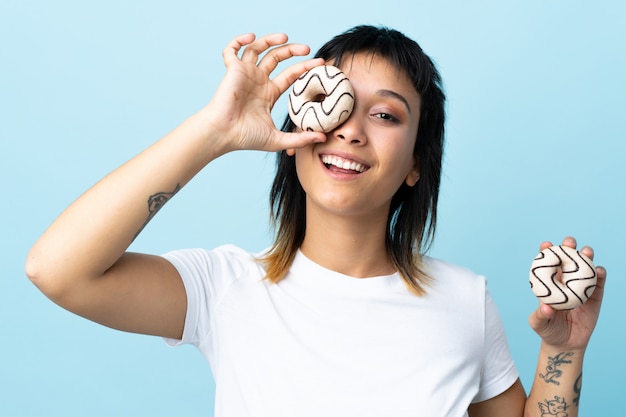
{"x":577,"y":277}
{"x":328,"y":76}
{"x":313,"y":110}
{"x":321,"y":115}
{"x":328,"y":96}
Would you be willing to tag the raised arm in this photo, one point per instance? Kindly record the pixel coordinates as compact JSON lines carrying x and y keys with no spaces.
{"x":81,"y":262}
{"x":558,"y":379}
{"x":565,"y":335}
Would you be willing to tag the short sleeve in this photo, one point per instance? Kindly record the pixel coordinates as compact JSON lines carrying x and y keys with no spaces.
{"x":206,"y":275}
{"x":498,"y":371}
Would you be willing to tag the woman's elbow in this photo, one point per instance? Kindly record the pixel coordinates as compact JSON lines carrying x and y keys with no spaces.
{"x":43,"y":273}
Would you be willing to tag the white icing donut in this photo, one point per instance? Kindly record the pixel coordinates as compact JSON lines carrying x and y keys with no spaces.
{"x":562,"y":277}
{"x":321,"y":99}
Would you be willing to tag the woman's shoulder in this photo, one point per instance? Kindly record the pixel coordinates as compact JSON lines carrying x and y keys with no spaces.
{"x":226,"y":259}
{"x":445,"y":272}
{"x":441,"y":265}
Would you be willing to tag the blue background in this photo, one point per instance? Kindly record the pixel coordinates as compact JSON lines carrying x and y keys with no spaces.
{"x":535,"y":151}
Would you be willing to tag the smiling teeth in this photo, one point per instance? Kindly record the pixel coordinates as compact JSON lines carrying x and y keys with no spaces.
{"x":343,"y":163}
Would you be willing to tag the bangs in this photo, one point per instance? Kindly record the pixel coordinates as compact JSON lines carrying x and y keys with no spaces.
{"x":400,"y":51}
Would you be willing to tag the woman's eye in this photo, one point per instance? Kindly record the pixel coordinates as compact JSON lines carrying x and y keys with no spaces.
{"x":387,"y":116}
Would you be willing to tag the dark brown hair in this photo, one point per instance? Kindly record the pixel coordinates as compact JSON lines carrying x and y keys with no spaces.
{"x":413,"y":212}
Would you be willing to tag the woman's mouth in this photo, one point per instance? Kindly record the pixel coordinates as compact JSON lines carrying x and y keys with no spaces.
{"x":336,"y":163}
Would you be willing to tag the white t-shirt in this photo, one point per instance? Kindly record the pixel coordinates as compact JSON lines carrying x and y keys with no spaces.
{"x":323,"y":344}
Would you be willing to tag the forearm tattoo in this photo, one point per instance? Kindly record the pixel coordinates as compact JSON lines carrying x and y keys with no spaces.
{"x":155,"y":203}
{"x":578,"y":386}
{"x":553,"y":371}
{"x":556,"y":407}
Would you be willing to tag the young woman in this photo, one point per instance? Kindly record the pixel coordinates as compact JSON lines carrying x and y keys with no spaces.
{"x":344,"y":315}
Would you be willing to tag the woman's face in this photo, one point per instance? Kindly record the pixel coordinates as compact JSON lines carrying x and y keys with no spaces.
{"x":365,"y":160}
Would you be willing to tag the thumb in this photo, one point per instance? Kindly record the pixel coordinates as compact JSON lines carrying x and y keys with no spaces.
{"x":293,"y":140}
{"x":540,"y":319}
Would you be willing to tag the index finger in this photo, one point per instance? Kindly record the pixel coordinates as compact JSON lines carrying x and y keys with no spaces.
{"x":567,"y":241}
{"x":291,"y":74}
{"x":275,"y":56}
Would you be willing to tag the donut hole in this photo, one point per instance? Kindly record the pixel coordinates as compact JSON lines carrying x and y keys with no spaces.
{"x":321,"y":99}
{"x":558,"y":274}
{"x":562,"y":277}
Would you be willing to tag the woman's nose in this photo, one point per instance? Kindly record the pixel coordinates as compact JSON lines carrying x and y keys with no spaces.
{"x":350,"y":131}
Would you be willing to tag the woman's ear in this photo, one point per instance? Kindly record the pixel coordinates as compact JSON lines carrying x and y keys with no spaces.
{"x":290,"y":152}
{"x":414,"y":175}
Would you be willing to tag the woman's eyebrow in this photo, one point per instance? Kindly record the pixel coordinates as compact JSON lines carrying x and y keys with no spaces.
{"x":397,"y":96}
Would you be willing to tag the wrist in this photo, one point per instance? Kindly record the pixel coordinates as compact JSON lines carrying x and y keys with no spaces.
{"x":551,"y":350}
{"x":215,"y":137}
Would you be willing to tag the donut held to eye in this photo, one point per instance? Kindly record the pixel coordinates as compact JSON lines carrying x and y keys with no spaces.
{"x":562,"y":277}
{"x":321,"y":99}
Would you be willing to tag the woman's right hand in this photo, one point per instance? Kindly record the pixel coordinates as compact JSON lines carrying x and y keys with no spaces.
{"x":81,"y":262}
{"x":240,"y":112}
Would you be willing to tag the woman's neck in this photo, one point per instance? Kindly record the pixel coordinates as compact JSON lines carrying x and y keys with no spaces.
{"x":354,"y":246}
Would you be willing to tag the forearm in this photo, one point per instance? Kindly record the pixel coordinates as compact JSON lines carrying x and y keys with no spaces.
{"x":557,"y":384}
{"x":94,"y":231}
{"x":85,"y":246}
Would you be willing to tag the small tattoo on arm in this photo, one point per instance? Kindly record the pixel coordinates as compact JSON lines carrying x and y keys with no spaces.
{"x":155,"y":203}
{"x":556,"y":407}
{"x":578,"y":385}
{"x":552,"y":370}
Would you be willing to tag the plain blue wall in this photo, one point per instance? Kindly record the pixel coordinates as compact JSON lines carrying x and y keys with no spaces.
{"x":535,"y":151}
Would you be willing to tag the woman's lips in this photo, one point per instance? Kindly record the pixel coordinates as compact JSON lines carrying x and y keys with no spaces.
{"x":343,"y":164}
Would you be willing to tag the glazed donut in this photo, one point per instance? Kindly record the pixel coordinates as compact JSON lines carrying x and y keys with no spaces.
{"x":562,"y":277}
{"x":321,"y":99}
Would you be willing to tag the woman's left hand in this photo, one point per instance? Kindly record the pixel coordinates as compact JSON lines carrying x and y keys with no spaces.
{"x":570,"y":329}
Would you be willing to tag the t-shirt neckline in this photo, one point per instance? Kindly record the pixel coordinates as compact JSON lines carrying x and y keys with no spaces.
{"x":305,"y":270}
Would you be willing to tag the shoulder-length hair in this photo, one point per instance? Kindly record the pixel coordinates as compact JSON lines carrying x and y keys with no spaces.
{"x":413,"y":211}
